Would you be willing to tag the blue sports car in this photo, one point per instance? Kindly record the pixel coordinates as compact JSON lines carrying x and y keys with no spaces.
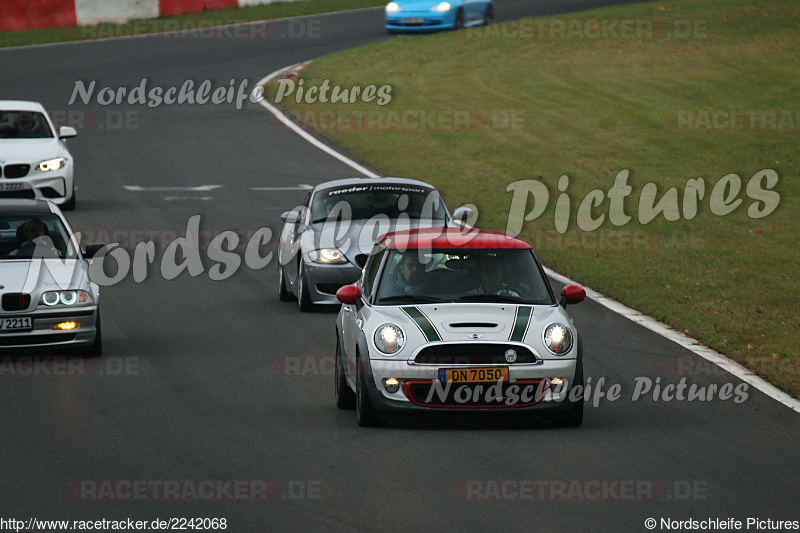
{"x":430,"y":15}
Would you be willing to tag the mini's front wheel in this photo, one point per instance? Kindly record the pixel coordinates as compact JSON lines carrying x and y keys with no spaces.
{"x":345,"y":397}
{"x":365,"y":413}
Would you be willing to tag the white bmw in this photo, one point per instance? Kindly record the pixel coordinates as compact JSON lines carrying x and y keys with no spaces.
{"x":34,"y":160}
{"x":445,"y":320}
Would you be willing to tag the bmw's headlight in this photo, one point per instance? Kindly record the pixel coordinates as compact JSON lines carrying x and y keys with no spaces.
{"x":51,"y":298}
{"x":52,"y":164}
{"x":328,"y":256}
{"x":392,"y":7}
{"x":441,"y":7}
{"x":389,"y":339}
{"x":558,"y":338}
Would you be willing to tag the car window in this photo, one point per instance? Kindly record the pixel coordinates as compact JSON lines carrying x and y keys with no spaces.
{"x":362,"y":202}
{"x":370,"y":272}
{"x":24,"y":125}
{"x":36,"y":235}
{"x":452,"y":275}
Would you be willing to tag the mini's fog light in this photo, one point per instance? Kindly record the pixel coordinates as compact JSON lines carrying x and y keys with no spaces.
{"x":556,"y":381}
{"x":391,"y":385}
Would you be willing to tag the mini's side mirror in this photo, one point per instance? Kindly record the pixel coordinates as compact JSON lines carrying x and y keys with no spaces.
{"x":290,"y":217}
{"x":92,"y":249}
{"x":571,"y":294}
{"x":463,"y":216}
{"x":348,"y":294}
{"x":65,"y":132}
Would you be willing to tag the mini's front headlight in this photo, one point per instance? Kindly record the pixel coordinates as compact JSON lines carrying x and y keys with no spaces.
{"x":389,"y":339}
{"x":328,"y":256}
{"x":52,"y":164}
{"x":52,"y":298}
{"x":441,"y":7}
{"x":558,"y":338}
{"x":392,"y":7}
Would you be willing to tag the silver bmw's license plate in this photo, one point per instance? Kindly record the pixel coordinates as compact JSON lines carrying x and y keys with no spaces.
{"x":12,"y":186}
{"x":16,"y":324}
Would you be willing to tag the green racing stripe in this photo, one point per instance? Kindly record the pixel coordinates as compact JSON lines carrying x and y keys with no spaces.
{"x":423,"y":322}
{"x":521,"y":321}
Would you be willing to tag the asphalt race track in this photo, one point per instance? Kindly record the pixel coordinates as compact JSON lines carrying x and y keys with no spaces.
{"x":200,"y":378}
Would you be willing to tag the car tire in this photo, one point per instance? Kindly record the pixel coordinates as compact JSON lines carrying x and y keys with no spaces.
{"x":303,"y":299}
{"x":283,"y":294}
{"x":459,"y":22}
{"x":488,"y":15}
{"x":69,"y":205}
{"x":96,"y":349}
{"x":365,"y":413}
{"x":345,"y":397}
{"x":573,"y":415}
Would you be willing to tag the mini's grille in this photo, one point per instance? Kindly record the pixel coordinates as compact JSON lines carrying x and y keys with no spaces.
{"x":473,"y":353}
{"x":520,"y":394}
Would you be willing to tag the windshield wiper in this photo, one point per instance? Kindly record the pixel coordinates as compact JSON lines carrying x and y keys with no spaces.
{"x":411,"y":298}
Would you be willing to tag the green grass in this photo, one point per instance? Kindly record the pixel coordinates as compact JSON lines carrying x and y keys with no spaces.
{"x":590,"y":107}
{"x":204,"y":19}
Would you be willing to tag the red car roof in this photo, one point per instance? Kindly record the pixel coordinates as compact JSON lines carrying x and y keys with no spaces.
{"x":450,"y":238}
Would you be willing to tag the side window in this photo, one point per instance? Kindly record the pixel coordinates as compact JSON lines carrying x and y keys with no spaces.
{"x":370,"y":272}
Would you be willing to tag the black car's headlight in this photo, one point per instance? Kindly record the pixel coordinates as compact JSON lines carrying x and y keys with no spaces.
{"x":558,"y":338}
{"x":389,"y":339}
{"x":69,"y":298}
{"x":328,"y":256}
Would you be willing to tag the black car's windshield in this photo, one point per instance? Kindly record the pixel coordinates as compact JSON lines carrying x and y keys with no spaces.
{"x":27,"y":236}
{"x":497,"y":276}
{"x":362,"y":202}
{"x":24,"y":125}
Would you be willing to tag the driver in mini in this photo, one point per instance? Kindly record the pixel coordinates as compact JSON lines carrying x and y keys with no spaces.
{"x":490,"y":274}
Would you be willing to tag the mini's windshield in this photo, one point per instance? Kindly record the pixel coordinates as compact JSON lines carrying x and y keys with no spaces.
{"x":24,"y":125}
{"x":362,"y":202}
{"x":432,"y":276}
{"x":27,"y":236}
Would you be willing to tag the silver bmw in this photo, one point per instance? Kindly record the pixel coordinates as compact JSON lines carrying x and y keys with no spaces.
{"x":46,"y":296}
{"x":325,"y":241}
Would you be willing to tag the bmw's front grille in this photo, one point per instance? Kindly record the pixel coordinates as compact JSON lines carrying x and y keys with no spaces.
{"x":25,"y":340}
{"x":474,"y":353}
{"x":16,"y":171}
{"x":16,"y":301}
{"x":22,"y":193}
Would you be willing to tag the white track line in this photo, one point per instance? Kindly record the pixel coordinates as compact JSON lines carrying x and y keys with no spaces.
{"x":685,"y":341}
{"x":693,"y":345}
{"x":303,"y":133}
